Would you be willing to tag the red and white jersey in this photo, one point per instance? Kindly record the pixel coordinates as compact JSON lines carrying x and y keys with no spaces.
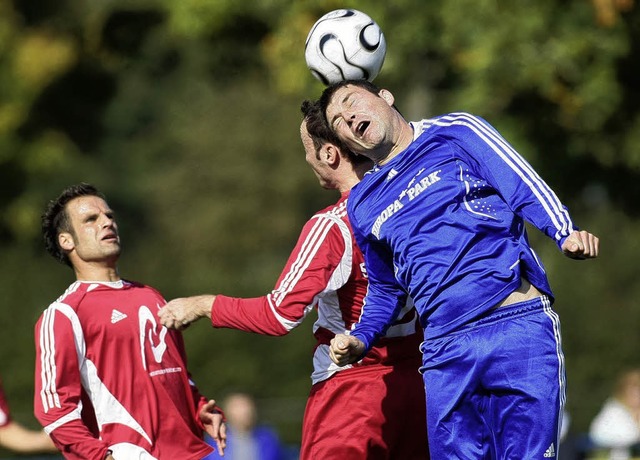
{"x":5,"y":415}
{"x":110,"y":376}
{"x":325,"y":271}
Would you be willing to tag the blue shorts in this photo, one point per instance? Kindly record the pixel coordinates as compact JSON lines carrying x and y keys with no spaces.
{"x":496,"y":388}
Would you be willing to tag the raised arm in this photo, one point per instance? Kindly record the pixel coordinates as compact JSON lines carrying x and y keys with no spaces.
{"x":319,"y":262}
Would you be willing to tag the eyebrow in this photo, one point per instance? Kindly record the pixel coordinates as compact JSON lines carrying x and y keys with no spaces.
{"x":343,"y":101}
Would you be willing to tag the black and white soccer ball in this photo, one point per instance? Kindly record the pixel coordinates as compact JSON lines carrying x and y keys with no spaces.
{"x":345,"y":44}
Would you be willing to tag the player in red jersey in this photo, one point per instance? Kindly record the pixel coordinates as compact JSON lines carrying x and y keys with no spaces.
{"x":326,"y":271}
{"x":111,"y":382}
{"x":18,"y":438}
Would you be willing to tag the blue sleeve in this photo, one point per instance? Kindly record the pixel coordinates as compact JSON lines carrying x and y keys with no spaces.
{"x":385,"y":297}
{"x":524,"y":191}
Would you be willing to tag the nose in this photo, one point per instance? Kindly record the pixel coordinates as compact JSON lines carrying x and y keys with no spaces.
{"x":107,"y":221}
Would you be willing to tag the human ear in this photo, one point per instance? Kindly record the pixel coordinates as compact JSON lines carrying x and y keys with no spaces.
{"x":387,"y":96}
{"x":65,"y":241}
{"x":330,"y":153}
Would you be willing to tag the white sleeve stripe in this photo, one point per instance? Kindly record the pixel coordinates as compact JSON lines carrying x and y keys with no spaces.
{"x":527,"y":170}
{"x":73,"y":415}
{"x":49,"y":392}
{"x":549,"y":201}
{"x":308,"y":250}
{"x":48,"y":366}
{"x":287,"y":324}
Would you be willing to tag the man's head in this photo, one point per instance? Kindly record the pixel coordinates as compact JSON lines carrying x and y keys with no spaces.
{"x":80,"y":226}
{"x":241,"y":412}
{"x":325,"y":153}
{"x":364,"y":118}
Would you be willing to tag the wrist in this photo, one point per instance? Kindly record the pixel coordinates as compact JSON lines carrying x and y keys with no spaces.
{"x":207,"y":305}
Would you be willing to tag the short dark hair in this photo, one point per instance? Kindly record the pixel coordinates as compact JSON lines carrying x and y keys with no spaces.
{"x":321,"y":133}
{"x":330,"y":90}
{"x":55,"y":219}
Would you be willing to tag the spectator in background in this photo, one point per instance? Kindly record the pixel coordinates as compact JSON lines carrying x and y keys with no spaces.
{"x":15,"y":437}
{"x":617,"y":426}
{"x":247,"y":440}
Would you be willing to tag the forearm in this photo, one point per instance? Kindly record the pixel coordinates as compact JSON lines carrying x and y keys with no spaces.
{"x":21,"y":439}
{"x":252,"y":315}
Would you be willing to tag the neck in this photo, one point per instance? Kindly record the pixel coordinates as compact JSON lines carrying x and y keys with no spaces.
{"x":351,"y":177}
{"x":402,"y":141}
{"x":90,"y":272}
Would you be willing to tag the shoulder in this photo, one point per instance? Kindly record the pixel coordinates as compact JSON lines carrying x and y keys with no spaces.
{"x":72,"y":296}
{"x":337,"y":209}
{"x":335,"y":214}
{"x":452,"y":124}
{"x":144,"y":289}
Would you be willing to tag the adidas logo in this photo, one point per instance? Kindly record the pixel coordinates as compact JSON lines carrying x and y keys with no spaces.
{"x":117,"y":316}
{"x":551,"y":452}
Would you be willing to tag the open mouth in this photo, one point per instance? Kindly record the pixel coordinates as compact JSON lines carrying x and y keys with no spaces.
{"x":362,"y":127}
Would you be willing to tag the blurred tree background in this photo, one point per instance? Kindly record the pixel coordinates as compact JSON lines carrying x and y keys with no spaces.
{"x":186,"y":115}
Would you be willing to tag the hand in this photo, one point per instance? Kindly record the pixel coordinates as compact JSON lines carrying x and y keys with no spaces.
{"x":581,"y":245}
{"x":345,"y":349}
{"x":180,"y":313}
{"x":213,"y":421}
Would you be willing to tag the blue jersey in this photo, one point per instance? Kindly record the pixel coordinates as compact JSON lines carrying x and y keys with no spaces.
{"x":444,"y":222}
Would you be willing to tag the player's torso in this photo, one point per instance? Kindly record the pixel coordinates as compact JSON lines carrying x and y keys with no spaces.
{"x":131,"y":362}
{"x":340,"y":302}
{"x":123,"y":323}
{"x":455,"y":243}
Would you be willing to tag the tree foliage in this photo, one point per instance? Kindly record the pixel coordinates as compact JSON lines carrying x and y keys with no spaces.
{"x":186,"y":115}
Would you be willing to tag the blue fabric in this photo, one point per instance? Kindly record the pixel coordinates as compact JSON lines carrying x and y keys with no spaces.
{"x":444,"y":221}
{"x":266,"y":439}
{"x":496,"y":388}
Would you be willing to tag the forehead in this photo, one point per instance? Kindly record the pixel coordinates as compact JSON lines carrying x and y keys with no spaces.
{"x":84,"y":205}
{"x":307,"y":141}
{"x":341,"y":95}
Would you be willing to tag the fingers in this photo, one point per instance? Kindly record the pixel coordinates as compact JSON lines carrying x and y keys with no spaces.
{"x":175,"y":315}
{"x":212,"y":420}
{"x":345,"y":349}
{"x":221,"y":442}
{"x":581,"y":245}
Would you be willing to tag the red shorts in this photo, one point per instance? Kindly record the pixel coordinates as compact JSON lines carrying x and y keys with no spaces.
{"x":353,"y":415}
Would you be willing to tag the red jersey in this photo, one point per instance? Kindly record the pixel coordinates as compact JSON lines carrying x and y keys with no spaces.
{"x":110,"y":376}
{"x":5,"y":415}
{"x":325,"y":271}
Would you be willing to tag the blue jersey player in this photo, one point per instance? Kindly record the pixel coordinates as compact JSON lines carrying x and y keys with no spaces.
{"x":441,"y":217}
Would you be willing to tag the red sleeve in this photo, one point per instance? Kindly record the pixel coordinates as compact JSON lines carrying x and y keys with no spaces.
{"x":58,"y":389}
{"x":5,"y":414}
{"x":310,"y":270}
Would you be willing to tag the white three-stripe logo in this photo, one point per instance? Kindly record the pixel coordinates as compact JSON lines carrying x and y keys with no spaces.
{"x":117,"y":316}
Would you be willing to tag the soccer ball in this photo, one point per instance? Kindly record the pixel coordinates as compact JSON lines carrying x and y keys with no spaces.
{"x":345,"y":44}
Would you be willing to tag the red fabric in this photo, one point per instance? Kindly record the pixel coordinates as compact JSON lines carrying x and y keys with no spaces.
{"x":5,"y":413}
{"x":364,"y":411}
{"x":368,"y":413}
{"x":102,"y":344}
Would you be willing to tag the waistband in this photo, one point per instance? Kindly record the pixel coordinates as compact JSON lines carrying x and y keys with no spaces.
{"x":511,"y":310}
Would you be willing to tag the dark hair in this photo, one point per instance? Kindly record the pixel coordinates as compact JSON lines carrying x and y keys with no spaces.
{"x":330,"y":90}
{"x":55,"y":219}
{"x":321,"y":133}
